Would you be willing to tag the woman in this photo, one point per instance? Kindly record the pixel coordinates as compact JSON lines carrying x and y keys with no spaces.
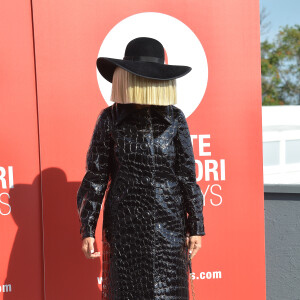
{"x":141,"y":155}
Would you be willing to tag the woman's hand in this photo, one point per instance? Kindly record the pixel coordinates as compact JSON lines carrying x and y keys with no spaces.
{"x":88,"y":248}
{"x":194,"y":243}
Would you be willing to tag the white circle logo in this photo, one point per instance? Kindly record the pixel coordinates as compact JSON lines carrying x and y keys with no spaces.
{"x":181,"y":46}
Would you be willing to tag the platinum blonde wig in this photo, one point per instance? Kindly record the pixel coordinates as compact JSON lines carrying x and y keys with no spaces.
{"x":130,"y":88}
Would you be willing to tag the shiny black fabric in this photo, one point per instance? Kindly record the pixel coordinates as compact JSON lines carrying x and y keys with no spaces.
{"x":143,"y":159}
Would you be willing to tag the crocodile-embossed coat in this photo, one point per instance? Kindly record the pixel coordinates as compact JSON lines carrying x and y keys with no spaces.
{"x":142,"y":161}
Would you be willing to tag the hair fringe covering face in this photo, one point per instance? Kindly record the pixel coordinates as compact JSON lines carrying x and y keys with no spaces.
{"x":130,"y":88}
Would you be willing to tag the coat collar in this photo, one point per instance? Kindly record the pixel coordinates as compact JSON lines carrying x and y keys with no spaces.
{"x":122,"y":111}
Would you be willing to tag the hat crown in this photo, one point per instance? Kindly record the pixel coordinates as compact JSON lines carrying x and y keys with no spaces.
{"x":145,"y":49}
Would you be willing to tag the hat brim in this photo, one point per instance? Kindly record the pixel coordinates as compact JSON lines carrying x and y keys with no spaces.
{"x":106,"y":66}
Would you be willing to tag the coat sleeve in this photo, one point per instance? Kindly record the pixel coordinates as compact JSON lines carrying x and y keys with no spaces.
{"x":94,"y":183}
{"x":186,"y":173}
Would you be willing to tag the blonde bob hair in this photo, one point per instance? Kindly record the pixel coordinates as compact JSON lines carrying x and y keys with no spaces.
{"x":130,"y":88}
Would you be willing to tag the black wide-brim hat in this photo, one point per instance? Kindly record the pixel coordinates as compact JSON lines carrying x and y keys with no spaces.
{"x":144,"y":57}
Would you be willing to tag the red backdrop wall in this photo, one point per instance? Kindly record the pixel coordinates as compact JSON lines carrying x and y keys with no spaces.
{"x":50,"y":100}
{"x":21,"y":244}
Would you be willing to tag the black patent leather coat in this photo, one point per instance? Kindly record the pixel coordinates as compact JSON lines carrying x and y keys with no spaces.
{"x":143,"y":159}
